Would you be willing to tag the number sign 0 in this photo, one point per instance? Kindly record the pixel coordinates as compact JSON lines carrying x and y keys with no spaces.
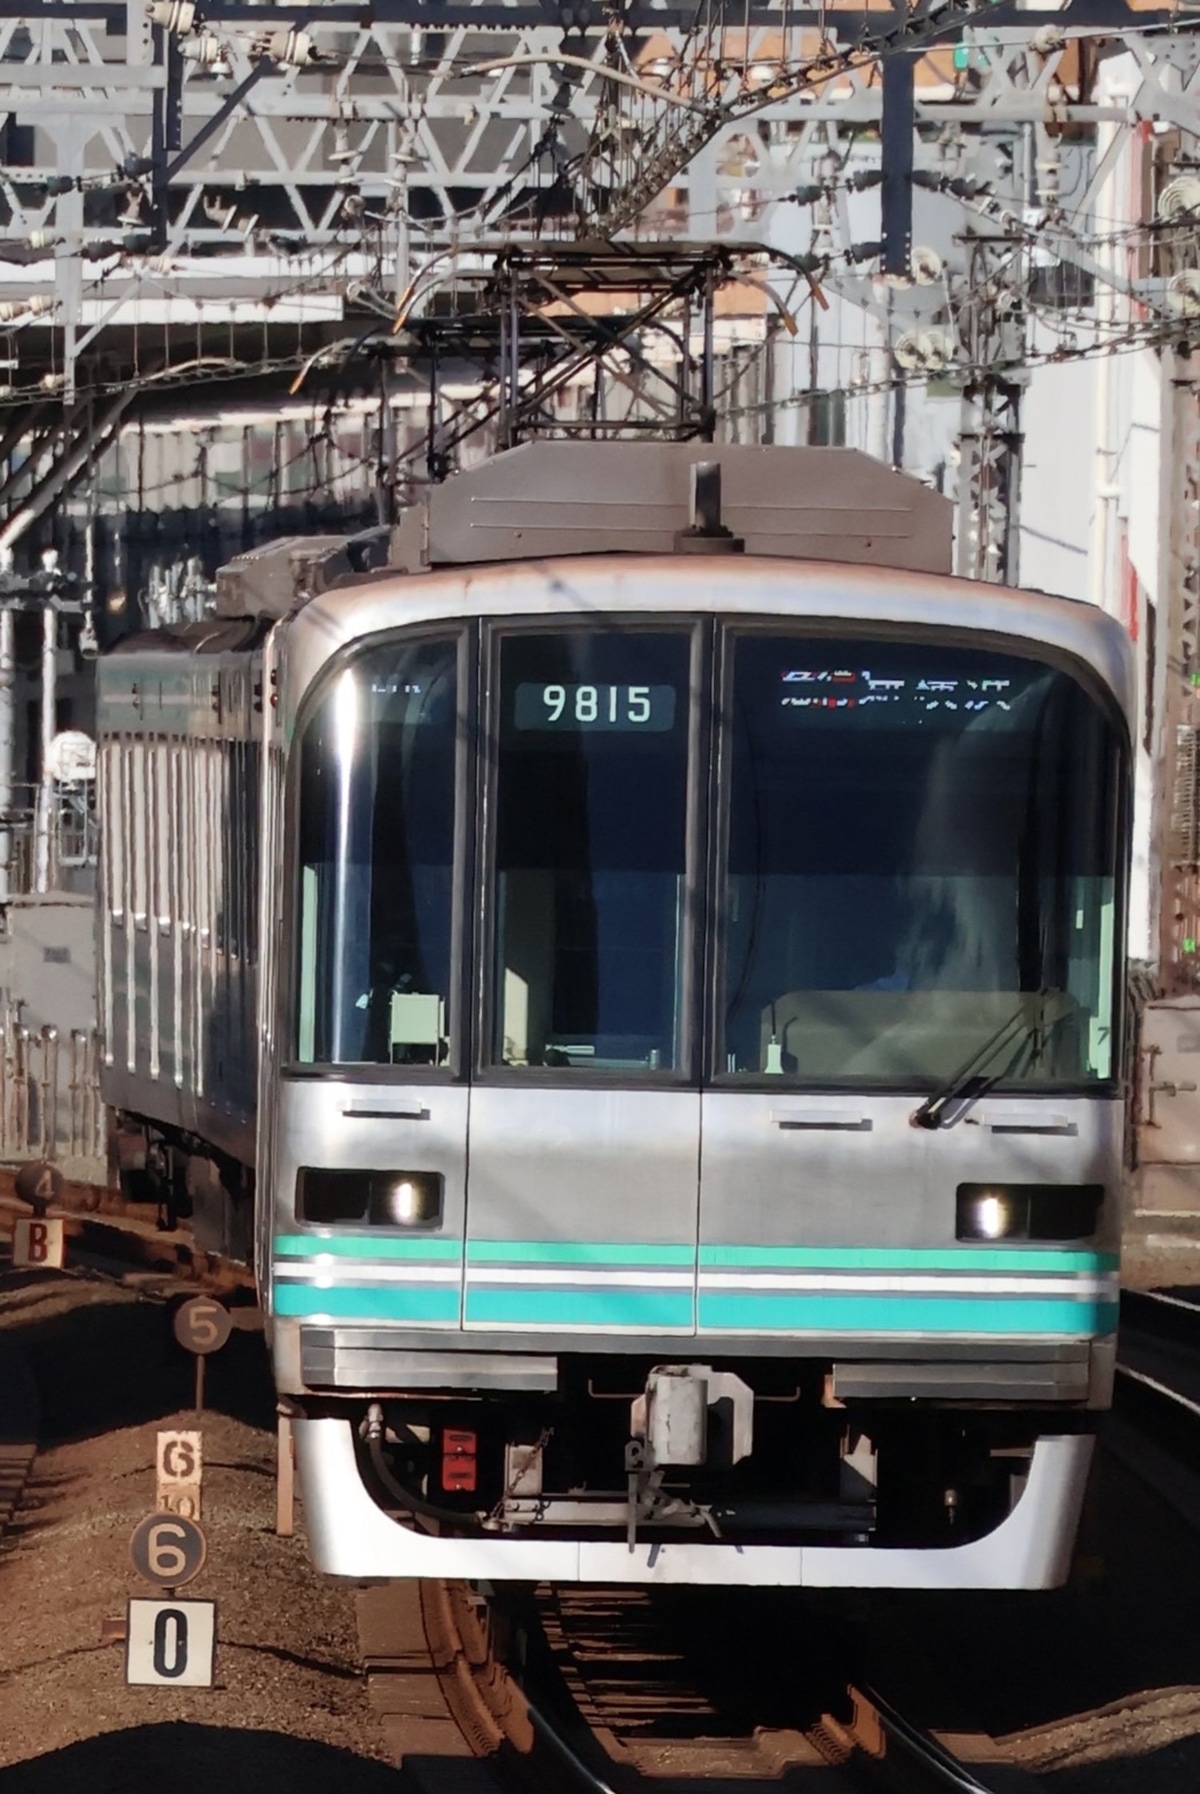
{"x":168,"y":1550}
{"x":170,"y":1644}
{"x":202,"y":1325}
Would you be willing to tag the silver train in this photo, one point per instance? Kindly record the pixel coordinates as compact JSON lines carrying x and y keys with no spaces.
{"x":647,"y":994}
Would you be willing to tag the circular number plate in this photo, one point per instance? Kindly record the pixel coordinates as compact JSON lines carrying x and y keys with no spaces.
{"x":168,"y":1550}
{"x":39,"y":1184}
{"x":202,"y":1325}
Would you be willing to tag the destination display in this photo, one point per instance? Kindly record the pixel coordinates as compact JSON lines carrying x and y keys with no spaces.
{"x":876,"y":694}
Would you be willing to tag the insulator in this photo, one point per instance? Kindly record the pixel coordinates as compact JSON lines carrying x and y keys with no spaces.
{"x":864,"y":252}
{"x":1047,"y":39}
{"x":177,"y":16}
{"x":44,"y":239}
{"x":808,"y":195}
{"x":926,"y":265}
{"x":35,"y":304}
{"x":294,"y":48}
{"x":862,"y":178}
{"x":206,"y":50}
{"x":1179,"y":198}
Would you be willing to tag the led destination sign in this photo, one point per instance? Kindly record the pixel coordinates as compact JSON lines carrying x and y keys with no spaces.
{"x":869,"y":695}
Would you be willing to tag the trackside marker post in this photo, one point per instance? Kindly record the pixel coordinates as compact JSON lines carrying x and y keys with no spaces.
{"x":169,"y":1642}
{"x":179,"y":1471}
{"x":202,"y":1326}
{"x":285,"y":1486}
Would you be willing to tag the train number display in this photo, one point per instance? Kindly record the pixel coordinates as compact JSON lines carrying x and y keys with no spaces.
{"x":630,"y":708}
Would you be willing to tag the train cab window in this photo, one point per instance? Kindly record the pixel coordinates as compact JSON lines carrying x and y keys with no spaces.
{"x":590,"y":855}
{"x":376,"y":850}
{"x":921,"y":867}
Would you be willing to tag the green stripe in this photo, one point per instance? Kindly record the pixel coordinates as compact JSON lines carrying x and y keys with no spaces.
{"x":1015,"y":1258}
{"x":366,"y":1245}
{"x":816,"y":1313}
{"x":642,"y":1308}
{"x":576,"y":1252}
{"x":376,"y":1302}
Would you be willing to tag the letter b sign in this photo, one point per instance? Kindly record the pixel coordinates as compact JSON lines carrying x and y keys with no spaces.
{"x":38,"y":1245}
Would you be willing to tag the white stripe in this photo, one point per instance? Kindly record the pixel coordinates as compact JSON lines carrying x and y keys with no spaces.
{"x":912,"y":1285}
{"x":581,"y":1327}
{"x":567,"y":1276}
{"x":326,"y":1276}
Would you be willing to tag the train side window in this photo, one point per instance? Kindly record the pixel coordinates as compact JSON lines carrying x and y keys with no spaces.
{"x":162,"y":834}
{"x":141,"y":851}
{"x":377,"y":898}
{"x":222,"y":858}
{"x":590,"y":855}
{"x":113,"y":825}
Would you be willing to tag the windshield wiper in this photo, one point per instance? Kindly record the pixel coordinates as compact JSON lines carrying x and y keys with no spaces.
{"x":970,"y":1082}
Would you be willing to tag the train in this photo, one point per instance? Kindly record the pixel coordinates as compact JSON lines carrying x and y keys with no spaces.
{"x":633,"y":954}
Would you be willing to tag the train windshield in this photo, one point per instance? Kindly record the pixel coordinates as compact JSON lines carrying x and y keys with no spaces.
{"x":920,"y":866}
{"x":376,"y":848}
{"x":591,"y":850}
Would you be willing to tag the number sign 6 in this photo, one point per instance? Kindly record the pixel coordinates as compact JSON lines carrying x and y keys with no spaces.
{"x":168,"y":1550}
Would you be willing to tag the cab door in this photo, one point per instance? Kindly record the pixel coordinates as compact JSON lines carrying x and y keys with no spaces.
{"x":583,"y":1174}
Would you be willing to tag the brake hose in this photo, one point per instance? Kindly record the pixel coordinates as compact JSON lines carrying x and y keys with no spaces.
{"x":408,"y":1499}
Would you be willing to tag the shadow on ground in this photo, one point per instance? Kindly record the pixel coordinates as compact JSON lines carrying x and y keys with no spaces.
{"x":198,"y":1759}
{"x":108,"y":1360}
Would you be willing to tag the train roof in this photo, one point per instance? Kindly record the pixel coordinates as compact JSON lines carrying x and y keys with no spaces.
{"x":547,"y":499}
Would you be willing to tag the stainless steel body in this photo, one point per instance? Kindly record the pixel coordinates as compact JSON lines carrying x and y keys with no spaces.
{"x":775,"y":1229}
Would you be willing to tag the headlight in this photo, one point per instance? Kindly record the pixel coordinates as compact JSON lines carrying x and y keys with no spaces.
{"x":1027,"y":1211}
{"x":383,"y":1198}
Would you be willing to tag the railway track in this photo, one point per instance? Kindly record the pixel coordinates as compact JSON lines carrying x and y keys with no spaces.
{"x":19,"y":1419}
{"x":614,"y":1691}
{"x":1154,"y":1428}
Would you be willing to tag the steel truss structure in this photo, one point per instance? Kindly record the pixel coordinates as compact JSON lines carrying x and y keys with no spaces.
{"x":531,"y":324}
{"x":187,"y":190}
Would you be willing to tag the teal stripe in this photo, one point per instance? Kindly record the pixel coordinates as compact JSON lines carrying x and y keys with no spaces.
{"x":642,"y":1308}
{"x":374,"y":1303}
{"x":781,"y":1312}
{"x":576,"y":1252}
{"x":853,"y":1258}
{"x":366,"y":1245}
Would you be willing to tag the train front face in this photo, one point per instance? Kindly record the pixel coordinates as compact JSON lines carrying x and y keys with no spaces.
{"x":697,"y":1126}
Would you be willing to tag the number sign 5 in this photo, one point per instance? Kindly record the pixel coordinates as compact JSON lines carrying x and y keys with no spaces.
{"x":202,"y":1325}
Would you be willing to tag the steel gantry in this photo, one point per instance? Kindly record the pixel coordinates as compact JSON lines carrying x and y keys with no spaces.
{"x":190,"y":189}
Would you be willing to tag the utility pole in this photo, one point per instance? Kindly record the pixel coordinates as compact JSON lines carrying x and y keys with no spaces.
{"x":1177,"y":795}
{"x":991,"y":323}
